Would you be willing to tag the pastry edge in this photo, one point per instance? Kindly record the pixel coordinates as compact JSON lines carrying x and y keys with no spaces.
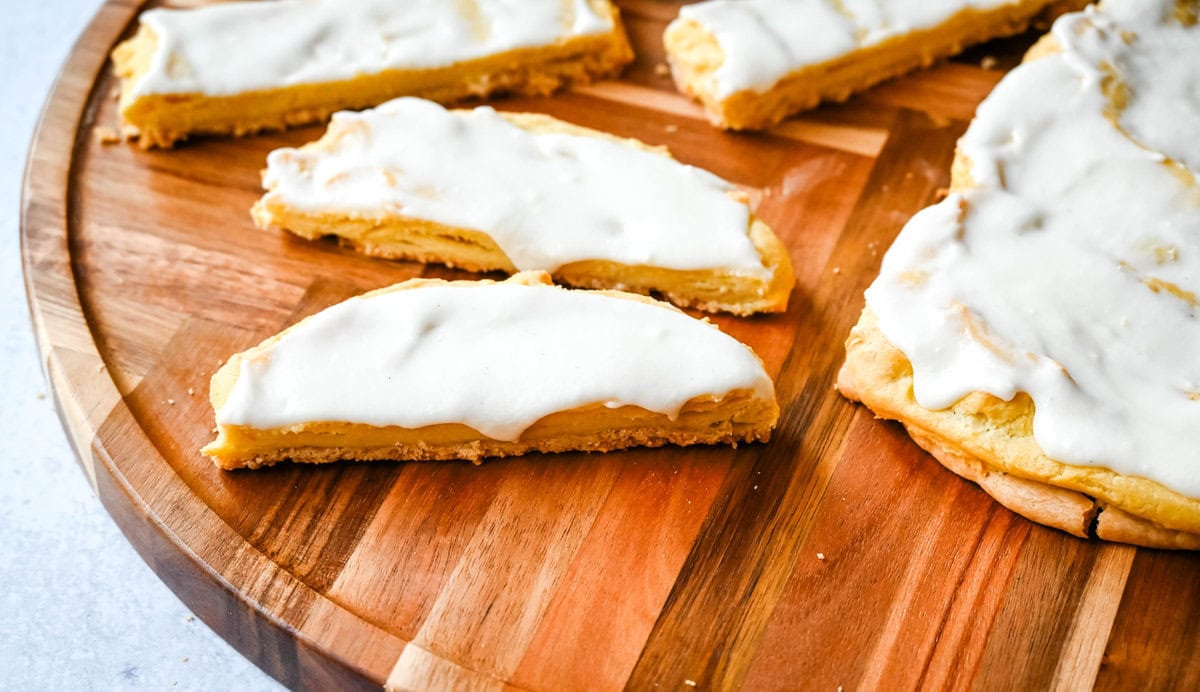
{"x":536,"y":71}
{"x":482,"y":447}
{"x":694,"y":55}
{"x":471,"y":250}
{"x":1014,"y":471}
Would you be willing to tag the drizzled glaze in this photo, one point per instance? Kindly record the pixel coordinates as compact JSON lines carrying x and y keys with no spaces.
{"x":547,"y":199}
{"x":764,"y":40}
{"x":494,"y":356}
{"x":236,"y":47}
{"x":1071,"y":269}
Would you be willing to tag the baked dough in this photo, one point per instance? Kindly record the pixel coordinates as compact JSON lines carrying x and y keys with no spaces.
{"x":487,"y":191}
{"x":752,"y":63}
{"x":1070,"y":231}
{"x":241,"y":67}
{"x":430,"y":369}
{"x":990,"y":441}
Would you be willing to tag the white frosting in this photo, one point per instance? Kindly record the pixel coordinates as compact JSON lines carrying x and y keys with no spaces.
{"x":546,"y":199}
{"x":236,"y":47}
{"x":495,"y":357}
{"x":1071,"y":272}
{"x":764,"y":40}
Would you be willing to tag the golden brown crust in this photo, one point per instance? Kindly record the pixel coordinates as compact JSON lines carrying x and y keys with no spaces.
{"x":161,"y":120}
{"x":401,"y":237}
{"x":738,"y":416}
{"x":695,"y":56}
{"x":990,"y":441}
{"x":1064,"y":510}
{"x":1122,"y":527}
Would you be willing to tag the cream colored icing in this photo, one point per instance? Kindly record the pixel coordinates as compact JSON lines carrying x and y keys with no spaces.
{"x":494,"y":356}
{"x":235,"y":47}
{"x":764,"y":40}
{"x":547,"y":199}
{"x":1071,"y":271}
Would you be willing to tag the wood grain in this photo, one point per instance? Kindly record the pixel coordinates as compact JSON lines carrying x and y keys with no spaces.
{"x":837,"y":555}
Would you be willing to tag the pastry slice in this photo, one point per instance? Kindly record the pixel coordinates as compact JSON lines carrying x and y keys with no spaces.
{"x":752,"y":63}
{"x":488,"y":191}
{"x":1037,"y":330}
{"x":429,"y":369}
{"x":241,"y":67}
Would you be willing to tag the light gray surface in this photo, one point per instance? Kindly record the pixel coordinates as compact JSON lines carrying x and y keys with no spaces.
{"x":82,"y":610}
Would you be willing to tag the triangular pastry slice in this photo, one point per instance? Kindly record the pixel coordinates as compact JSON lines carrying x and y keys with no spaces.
{"x":1038,"y":330}
{"x":752,"y":63}
{"x":240,"y":67}
{"x":487,"y":191}
{"x":429,"y":369}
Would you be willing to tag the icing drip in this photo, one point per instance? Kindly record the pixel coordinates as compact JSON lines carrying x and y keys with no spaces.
{"x":547,"y":199}
{"x":764,"y":40}
{"x":1071,"y":269}
{"x":495,"y":357}
{"x":236,"y":47}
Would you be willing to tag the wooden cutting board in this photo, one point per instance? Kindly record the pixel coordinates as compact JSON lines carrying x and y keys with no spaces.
{"x":838,"y":555}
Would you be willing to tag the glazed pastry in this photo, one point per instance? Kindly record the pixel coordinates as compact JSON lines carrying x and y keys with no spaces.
{"x":429,"y":369}
{"x":1036,"y":330}
{"x":487,"y":191}
{"x":752,"y":63}
{"x":241,"y":67}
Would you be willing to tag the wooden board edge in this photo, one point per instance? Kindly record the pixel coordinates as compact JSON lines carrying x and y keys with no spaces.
{"x":86,"y":395}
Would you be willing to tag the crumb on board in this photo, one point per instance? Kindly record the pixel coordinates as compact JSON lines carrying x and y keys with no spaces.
{"x":170,"y":402}
{"x":837,"y":270}
{"x":988,"y":62}
{"x":690,"y":683}
{"x":672,"y":128}
{"x":941,"y":193}
{"x":106,"y":135}
{"x":191,"y":391}
{"x":820,"y":556}
{"x":662,"y":69}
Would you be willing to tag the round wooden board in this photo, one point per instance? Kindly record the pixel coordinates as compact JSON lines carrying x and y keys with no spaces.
{"x":837,"y":555}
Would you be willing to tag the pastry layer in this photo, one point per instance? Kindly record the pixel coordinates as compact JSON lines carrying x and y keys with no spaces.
{"x":752,"y":63}
{"x":485,"y":191}
{"x":990,"y":441}
{"x":738,"y":417}
{"x":464,"y":370}
{"x":238,"y":68}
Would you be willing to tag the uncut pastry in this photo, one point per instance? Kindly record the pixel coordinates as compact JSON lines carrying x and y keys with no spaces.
{"x":752,"y":63}
{"x":486,"y":191}
{"x":1037,"y":330}
{"x":429,"y":369}
{"x":241,"y":67}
